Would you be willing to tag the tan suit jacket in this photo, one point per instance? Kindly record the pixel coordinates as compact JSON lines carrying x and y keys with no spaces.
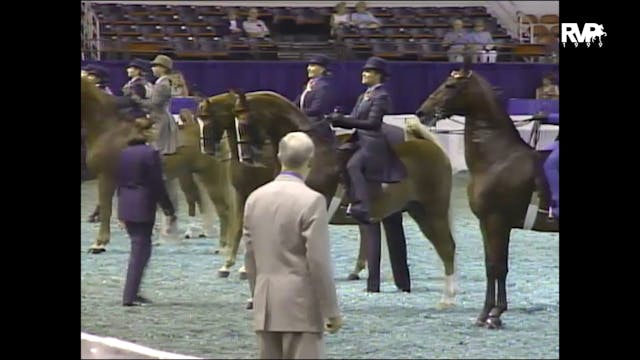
{"x":288,"y":258}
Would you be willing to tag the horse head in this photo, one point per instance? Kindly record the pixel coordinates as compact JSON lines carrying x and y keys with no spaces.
{"x":448,"y":99}
{"x":217,"y":114}
{"x":460,"y":93}
{"x":272,"y":113}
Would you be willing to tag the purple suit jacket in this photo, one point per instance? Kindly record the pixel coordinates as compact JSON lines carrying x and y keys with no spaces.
{"x":140,"y":185}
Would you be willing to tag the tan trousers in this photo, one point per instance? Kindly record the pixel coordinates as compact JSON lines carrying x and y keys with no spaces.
{"x":283,"y":345}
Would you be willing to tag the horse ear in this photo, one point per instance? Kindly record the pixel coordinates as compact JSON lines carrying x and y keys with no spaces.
{"x":466,"y":65}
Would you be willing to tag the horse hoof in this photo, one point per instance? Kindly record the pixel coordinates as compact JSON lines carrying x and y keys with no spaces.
{"x":97,"y":249}
{"x":250,"y":305}
{"x":353,"y":277}
{"x":202,"y":236}
{"x":216,"y":251}
{"x":93,"y":219}
{"x":445,"y":304}
{"x":223,"y":273}
{"x":243,"y":275}
{"x":187,"y":236}
{"x":481,"y":322}
{"x":494,"y":323}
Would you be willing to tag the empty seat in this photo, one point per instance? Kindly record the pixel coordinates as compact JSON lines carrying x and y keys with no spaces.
{"x":540,"y":30}
{"x":203,"y":31}
{"x":211,"y":44}
{"x":182,"y":44}
{"x":134,"y":8}
{"x":177,"y":30}
{"x":403,"y":12}
{"x":549,"y":19}
{"x":372,"y":33}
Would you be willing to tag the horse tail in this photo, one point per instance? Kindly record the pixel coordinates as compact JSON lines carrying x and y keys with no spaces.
{"x":415,"y":129}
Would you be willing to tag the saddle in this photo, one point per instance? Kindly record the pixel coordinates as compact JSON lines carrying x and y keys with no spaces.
{"x":394,"y":170}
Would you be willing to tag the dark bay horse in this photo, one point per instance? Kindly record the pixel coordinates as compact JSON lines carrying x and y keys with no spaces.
{"x":505,"y":171}
{"x":106,"y":136}
{"x":425,"y":194}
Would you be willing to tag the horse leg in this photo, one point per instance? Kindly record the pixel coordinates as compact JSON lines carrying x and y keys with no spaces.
{"x":190,"y":191}
{"x":214,"y":182}
{"x":206,"y":207}
{"x":95,"y":215}
{"x":236,"y":231}
{"x":498,"y":234}
{"x":362,"y":256}
{"x":437,"y":229}
{"x":106,"y":189}
{"x":222,"y":199}
{"x":168,"y":230}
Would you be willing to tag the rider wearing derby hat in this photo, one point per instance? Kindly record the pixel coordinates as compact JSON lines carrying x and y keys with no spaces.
{"x":100,"y":76}
{"x":138,"y":85}
{"x":373,"y":158}
{"x":316,"y":100}
{"x":159,"y":103}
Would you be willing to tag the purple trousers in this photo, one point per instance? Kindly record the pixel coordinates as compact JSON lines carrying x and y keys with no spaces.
{"x":140,"y":234}
{"x":551,"y":169}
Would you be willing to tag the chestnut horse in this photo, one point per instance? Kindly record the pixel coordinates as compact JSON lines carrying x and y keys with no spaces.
{"x":106,"y":136}
{"x":425,"y":193}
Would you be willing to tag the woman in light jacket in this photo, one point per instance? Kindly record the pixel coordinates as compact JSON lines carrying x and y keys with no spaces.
{"x":159,"y":105}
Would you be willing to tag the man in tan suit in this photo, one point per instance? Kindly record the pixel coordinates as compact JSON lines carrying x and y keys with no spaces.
{"x":288,"y":260}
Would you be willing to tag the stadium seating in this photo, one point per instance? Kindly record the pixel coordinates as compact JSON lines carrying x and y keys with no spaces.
{"x":407,"y":33}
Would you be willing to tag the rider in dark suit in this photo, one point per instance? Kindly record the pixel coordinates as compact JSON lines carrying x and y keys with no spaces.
{"x":140,"y":190}
{"x":138,"y":86}
{"x":373,"y":154}
{"x":316,"y":100}
{"x":100,"y":75}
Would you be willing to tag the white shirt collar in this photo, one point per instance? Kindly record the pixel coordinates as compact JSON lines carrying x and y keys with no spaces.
{"x":162,"y":78}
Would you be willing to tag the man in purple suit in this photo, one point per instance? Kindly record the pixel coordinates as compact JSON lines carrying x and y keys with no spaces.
{"x":140,"y":190}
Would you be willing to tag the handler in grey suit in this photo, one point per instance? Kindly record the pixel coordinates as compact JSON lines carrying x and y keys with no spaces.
{"x":159,"y":106}
{"x":288,"y":260}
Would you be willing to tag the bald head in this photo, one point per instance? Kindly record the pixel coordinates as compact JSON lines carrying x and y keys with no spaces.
{"x":295,"y":150}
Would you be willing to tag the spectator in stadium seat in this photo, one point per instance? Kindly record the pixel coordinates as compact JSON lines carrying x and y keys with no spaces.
{"x":481,"y":42}
{"x":232,"y":25}
{"x":454,"y":41}
{"x":548,"y":90}
{"x":364,"y":19}
{"x":178,"y":84}
{"x":254,"y":27}
{"x":340,"y":18}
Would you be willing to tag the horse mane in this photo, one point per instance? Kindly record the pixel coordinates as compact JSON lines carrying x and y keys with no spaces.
{"x":301,"y":121}
{"x":283,"y":109}
{"x":488,"y":96}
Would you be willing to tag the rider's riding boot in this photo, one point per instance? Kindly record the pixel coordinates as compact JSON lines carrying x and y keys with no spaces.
{"x":359,"y":208}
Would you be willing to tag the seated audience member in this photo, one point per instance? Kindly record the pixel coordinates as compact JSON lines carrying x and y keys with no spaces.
{"x":254,"y":27}
{"x":548,"y":90}
{"x":232,"y":24}
{"x":481,"y":42}
{"x":178,"y":84}
{"x":341,"y":18}
{"x":454,"y":41}
{"x":364,"y":19}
